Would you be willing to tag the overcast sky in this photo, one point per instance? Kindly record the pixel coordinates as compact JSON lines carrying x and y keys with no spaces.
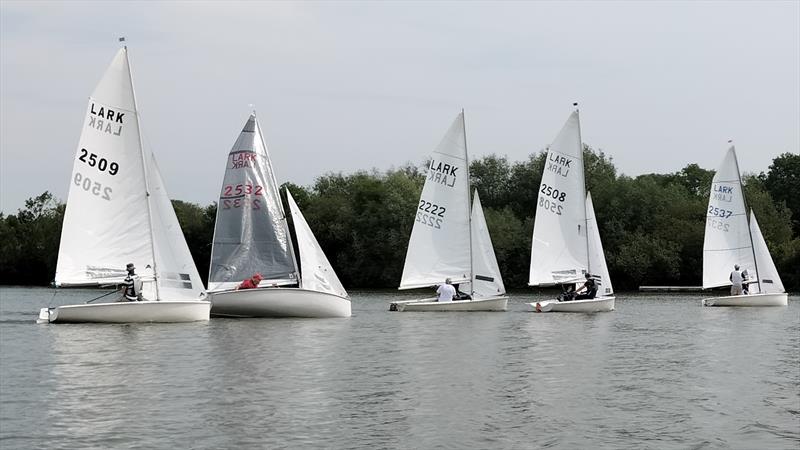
{"x":347,"y":86}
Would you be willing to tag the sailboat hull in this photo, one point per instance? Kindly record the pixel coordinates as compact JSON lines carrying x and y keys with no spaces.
{"x":128,"y":312}
{"x":278,"y":302}
{"x":775,"y":299}
{"x":600,"y":304}
{"x":422,"y":305}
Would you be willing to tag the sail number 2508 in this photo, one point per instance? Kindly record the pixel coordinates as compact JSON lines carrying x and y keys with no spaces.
{"x":430,"y":214}
{"x":550,"y":197}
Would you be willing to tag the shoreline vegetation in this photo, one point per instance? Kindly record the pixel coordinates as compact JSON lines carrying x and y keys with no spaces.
{"x":652,"y":225}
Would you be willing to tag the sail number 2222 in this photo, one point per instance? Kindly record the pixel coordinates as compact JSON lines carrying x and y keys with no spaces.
{"x":430,"y":214}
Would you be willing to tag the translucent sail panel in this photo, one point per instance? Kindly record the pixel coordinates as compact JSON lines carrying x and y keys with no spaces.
{"x":559,"y":249}
{"x":769,"y":282}
{"x":486,"y":279}
{"x":597,"y":259}
{"x":176,"y":273}
{"x":106,"y":221}
{"x":251,"y":234}
{"x":439,"y":246}
{"x":317,"y":273}
{"x":727,"y":238}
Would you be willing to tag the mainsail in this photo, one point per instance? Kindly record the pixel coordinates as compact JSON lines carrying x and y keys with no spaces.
{"x":439,"y":246}
{"x":251,"y":233}
{"x":727,"y":237}
{"x":118,"y":210}
{"x":559,"y":251}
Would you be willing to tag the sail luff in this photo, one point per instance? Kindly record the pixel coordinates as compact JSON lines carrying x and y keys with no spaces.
{"x":146,"y":177}
{"x":583,"y":183}
{"x":469,"y":215}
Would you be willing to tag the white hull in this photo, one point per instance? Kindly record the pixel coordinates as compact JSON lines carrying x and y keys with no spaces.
{"x":599,"y":304}
{"x":278,"y":302}
{"x":128,"y":312}
{"x":484,"y":304}
{"x":777,"y":299}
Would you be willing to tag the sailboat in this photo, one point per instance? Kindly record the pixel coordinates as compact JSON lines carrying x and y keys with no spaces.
{"x":118,"y":212}
{"x":251,"y":236}
{"x":730,"y":239}
{"x":448,"y":240}
{"x":566,"y":247}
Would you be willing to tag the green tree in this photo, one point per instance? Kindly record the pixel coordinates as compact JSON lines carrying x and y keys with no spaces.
{"x":783,"y":183}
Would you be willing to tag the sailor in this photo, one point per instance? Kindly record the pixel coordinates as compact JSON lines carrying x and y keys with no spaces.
{"x":745,"y":282}
{"x":250,"y":283}
{"x":589,"y":288}
{"x":446,"y":291}
{"x":736,"y":281}
{"x":460,"y":295}
{"x":131,"y":286}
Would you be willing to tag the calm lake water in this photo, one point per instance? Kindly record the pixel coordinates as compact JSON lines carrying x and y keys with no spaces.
{"x":659,"y":372}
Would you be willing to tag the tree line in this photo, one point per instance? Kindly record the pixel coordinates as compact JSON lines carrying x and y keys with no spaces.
{"x":652,"y":225}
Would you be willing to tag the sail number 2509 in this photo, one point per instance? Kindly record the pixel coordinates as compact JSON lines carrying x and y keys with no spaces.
{"x":430,"y":214}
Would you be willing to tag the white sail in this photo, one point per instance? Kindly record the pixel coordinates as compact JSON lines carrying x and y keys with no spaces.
{"x":559,"y":252}
{"x":439,"y":246}
{"x":486,"y":279}
{"x":176,"y":273}
{"x":317,"y":272}
{"x":118,"y":211}
{"x":727,"y":237}
{"x":251,"y":234}
{"x":597,"y":259}
{"x":106,"y":223}
{"x":769,"y":282}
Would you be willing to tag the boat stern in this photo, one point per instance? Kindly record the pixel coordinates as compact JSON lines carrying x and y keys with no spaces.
{"x":44,"y":315}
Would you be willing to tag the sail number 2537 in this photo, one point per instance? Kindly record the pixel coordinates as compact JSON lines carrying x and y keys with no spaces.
{"x":430,"y":214}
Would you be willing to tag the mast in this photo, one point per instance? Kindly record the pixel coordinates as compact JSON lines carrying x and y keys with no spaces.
{"x":144,"y":167}
{"x":583,"y":172}
{"x":746,"y":216}
{"x":469,"y":206}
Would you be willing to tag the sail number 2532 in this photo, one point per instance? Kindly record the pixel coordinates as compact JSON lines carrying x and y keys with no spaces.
{"x":430,"y":214}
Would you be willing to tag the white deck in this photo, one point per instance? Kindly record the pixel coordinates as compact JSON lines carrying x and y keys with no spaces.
{"x":777,"y":299}
{"x":278,"y":302}
{"x":599,"y":304}
{"x":128,"y":312}
{"x":430,"y":304}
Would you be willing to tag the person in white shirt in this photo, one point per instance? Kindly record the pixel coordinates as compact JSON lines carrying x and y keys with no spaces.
{"x":446,"y":291}
{"x":736,"y":281}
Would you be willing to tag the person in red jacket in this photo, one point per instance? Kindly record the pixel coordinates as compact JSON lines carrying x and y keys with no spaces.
{"x":250,"y":283}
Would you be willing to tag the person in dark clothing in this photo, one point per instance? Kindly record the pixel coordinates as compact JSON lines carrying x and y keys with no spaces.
{"x":460,"y":295}
{"x":131,"y":286}
{"x":589,"y":288}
